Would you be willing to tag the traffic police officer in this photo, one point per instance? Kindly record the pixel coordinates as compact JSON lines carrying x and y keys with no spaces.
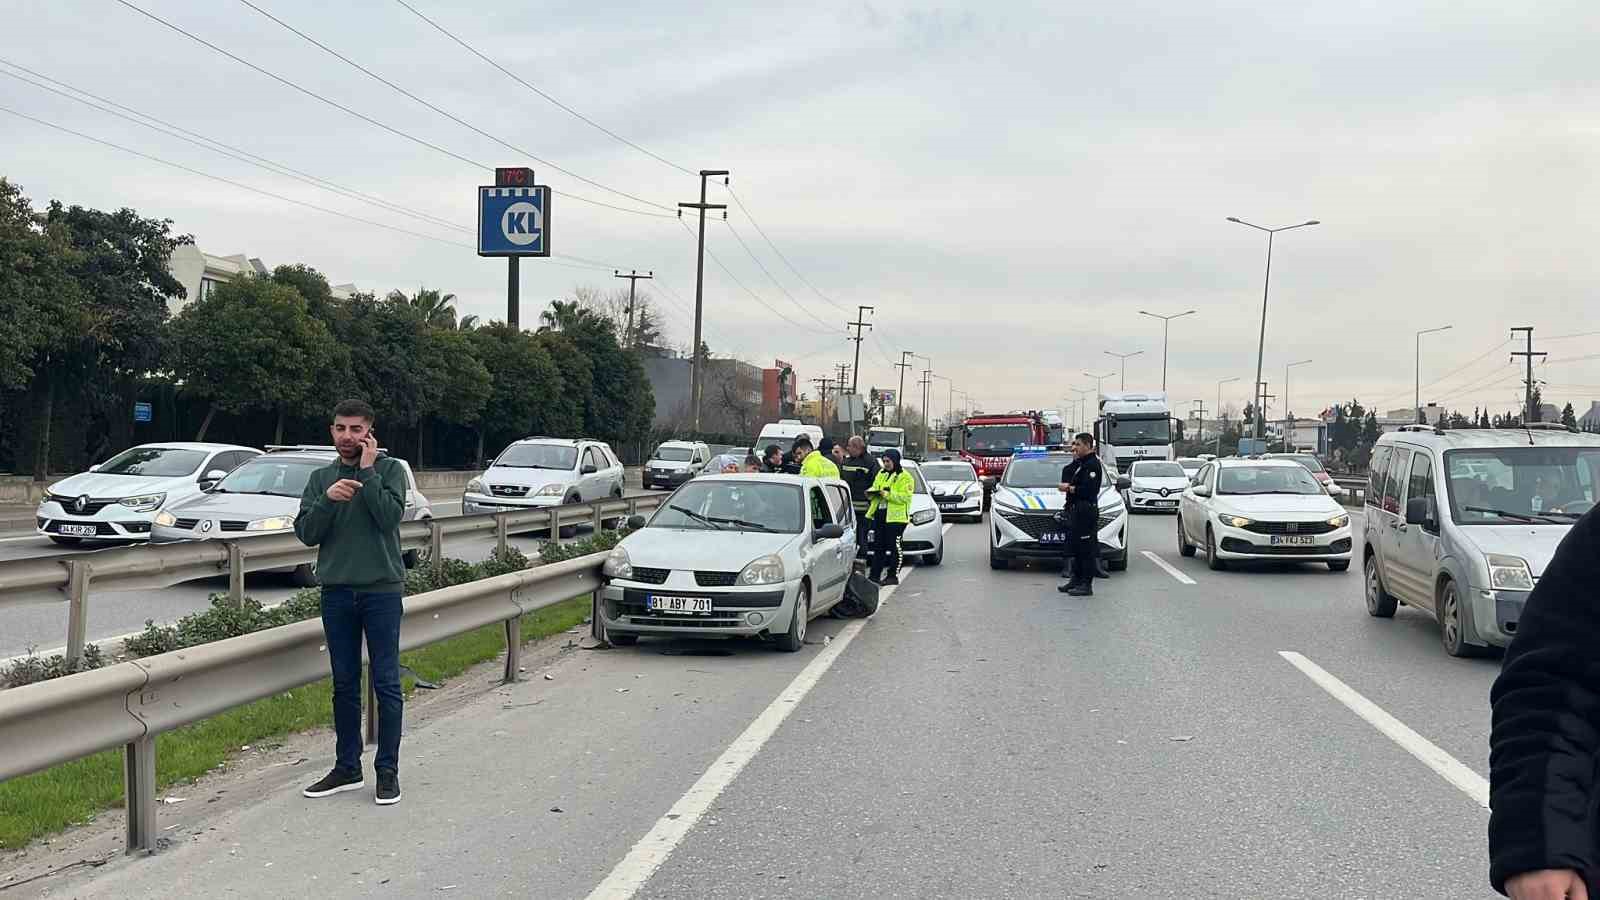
{"x":1080,"y":481}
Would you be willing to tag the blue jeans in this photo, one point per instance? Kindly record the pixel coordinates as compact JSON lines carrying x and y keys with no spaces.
{"x":347,"y":615}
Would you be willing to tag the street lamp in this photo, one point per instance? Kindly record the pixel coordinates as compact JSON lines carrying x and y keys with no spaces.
{"x":1165,"y":321}
{"x":1261,"y":346}
{"x":1083,"y":407}
{"x":1418,"y":398}
{"x":1098,"y":379}
{"x":1288,"y":422}
{"x":1124,"y":358}
{"x":1219,"y":411}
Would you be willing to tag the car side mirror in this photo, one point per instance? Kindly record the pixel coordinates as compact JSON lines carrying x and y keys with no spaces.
{"x":636,"y":521}
{"x":589,"y":469}
{"x":215,"y":475}
{"x":95,"y":467}
{"x":829,"y":532}
{"x":1201,"y":490}
{"x":1419,"y":511}
{"x":1124,"y":482}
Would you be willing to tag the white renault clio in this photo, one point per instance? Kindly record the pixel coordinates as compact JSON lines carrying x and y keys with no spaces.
{"x":1262,"y":509}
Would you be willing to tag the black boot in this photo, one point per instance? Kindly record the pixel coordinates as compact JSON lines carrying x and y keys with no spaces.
{"x":1081,"y":589}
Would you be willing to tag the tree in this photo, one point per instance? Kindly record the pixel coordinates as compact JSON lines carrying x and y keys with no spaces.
{"x":1569,"y":416}
{"x":252,"y":344}
{"x":568,"y":315}
{"x":455,"y":383}
{"x":523,"y":381}
{"x":1536,"y":411}
{"x":437,"y":309}
{"x":1369,"y":429}
{"x":312,"y":286}
{"x":41,"y":303}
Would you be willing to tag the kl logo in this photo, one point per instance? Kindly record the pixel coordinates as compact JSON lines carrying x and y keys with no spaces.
{"x":521,"y":223}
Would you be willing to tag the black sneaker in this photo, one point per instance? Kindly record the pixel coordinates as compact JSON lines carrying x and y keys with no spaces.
{"x":388,"y":788}
{"x":892,"y":579}
{"x":336,"y":782}
{"x":1081,"y":590}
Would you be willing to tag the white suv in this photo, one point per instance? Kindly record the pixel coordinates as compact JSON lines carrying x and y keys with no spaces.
{"x":544,"y":471}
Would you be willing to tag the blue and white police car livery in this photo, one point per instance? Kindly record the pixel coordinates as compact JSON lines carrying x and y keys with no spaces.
{"x":1022,"y":518}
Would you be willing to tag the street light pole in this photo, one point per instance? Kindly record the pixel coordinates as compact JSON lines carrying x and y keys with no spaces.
{"x":1219,"y":411}
{"x":1165,"y":321}
{"x":1261,"y":345}
{"x":1418,"y":398}
{"x":1124,"y":358}
{"x":1288,"y":421}
{"x":1098,"y":379}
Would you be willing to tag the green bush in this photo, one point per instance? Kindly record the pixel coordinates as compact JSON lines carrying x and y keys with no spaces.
{"x":33,"y":668}
{"x":553,"y":552}
{"x":153,"y":639}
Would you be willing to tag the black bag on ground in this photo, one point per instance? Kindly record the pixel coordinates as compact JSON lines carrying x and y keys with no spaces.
{"x":860,"y":597}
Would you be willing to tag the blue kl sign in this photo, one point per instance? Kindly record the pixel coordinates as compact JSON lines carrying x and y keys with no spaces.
{"x":141,"y":412}
{"x":514,"y":221}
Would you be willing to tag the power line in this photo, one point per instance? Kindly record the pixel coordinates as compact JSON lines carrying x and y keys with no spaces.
{"x":1451,"y":373}
{"x":363,"y":116}
{"x":757,"y":297}
{"x":761,"y":231}
{"x":759,"y":264}
{"x":562,"y":106}
{"x":451,"y":116}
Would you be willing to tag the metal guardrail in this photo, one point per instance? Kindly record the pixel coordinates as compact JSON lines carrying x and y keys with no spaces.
{"x":68,"y":578}
{"x":1355,"y":488}
{"x":127,"y":705}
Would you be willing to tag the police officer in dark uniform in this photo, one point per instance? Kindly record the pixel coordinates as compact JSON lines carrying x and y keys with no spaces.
{"x":1080,"y":481}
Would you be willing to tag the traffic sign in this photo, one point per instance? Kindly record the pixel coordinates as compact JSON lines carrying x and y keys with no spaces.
{"x":141,"y":412}
{"x":514,"y":221}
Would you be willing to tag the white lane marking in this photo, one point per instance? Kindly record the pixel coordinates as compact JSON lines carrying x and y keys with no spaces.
{"x":652,"y":850}
{"x":1169,"y":567}
{"x":26,"y":537}
{"x":1446,"y":766}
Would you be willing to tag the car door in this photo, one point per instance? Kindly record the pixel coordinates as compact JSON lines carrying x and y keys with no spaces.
{"x":827,"y":555}
{"x":616,"y":476}
{"x":593,"y":475}
{"x":1390,"y":514}
{"x":1417,"y":546}
{"x":1194,"y":508}
{"x":845,"y":515}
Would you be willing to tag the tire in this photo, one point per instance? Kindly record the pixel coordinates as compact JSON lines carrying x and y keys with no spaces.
{"x":792,"y":640}
{"x":937,"y":557}
{"x":1184,"y":547}
{"x":305,"y":575}
{"x":1213,"y":562}
{"x":65,"y":541}
{"x":622,"y":640}
{"x":1380,"y":603}
{"x":1118,"y":563}
{"x":569,"y":531}
{"x":1454,"y":622}
{"x":615,"y":523}
{"x":998,"y":562}
{"x":1338,"y":565}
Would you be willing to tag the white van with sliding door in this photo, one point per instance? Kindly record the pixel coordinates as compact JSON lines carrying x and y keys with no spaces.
{"x":783,"y":432}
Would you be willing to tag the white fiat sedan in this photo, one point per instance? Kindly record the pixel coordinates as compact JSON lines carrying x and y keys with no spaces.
{"x":1262,"y":509}
{"x":754,"y":555}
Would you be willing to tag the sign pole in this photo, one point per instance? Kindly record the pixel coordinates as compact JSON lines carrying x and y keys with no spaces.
{"x":513,"y":286}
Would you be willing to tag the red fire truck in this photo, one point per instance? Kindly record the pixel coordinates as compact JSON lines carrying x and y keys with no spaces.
{"x":988,"y":440}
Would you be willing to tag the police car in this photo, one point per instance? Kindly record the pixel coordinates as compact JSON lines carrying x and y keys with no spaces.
{"x":1022,"y":518}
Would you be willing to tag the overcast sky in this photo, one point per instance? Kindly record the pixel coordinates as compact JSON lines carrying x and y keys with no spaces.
{"x":1007,"y":183}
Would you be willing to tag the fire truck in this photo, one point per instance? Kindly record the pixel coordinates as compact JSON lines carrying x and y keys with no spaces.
{"x":989,"y":440}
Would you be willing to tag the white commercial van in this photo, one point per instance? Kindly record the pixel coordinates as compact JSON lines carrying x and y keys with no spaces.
{"x":783,"y":432}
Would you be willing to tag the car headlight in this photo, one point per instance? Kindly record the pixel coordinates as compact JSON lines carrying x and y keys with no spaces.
{"x":552,"y":490}
{"x":144,"y":502}
{"x":475,"y":486}
{"x":1509,"y":573}
{"x":1233,"y":521}
{"x":271,"y":523}
{"x":924,"y":516}
{"x":166,"y":519}
{"x":617,"y":564}
{"x":766,"y":570}
{"x":1339,"y":521}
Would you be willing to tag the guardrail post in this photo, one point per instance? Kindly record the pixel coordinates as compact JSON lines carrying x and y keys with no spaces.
{"x":78,"y":574}
{"x":236,"y":575}
{"x":633,"y":507}
{"x":139,"y":786}
{"x":435,"y":541}
{"x":598,"y":520}
{"x":372,"y":708}
{"x":555,"y":524}
{"x":513,"y":649}
{"x":501,"y":535}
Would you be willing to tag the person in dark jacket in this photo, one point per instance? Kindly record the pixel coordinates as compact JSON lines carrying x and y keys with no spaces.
{"x":772,"y":459}
{"x":1544,"y":829}
{"x":1080,"y":481}
{"x":351,"y":511}
{"x":858,"y":470}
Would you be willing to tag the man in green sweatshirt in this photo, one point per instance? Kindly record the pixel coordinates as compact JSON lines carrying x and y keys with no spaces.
{"x":351,"y":511}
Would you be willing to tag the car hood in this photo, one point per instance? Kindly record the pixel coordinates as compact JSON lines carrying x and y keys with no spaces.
{"x":533,"y":478}
{"x":711,"y":551}
{"x":952,"y":487}
{"x":102,"y":486}
{"x":235,"y":506}
{"x":1048,"y":498}
{"x":1174,"y":484}
{"x":1318,"y":504}
{"x":1534,"y":543}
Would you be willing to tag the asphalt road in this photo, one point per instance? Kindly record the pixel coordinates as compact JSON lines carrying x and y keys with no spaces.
{"x":982,"y":736}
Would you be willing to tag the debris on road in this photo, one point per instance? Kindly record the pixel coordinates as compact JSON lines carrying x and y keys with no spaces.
{"x":549,"y":677}
{"x":1182,"y":738}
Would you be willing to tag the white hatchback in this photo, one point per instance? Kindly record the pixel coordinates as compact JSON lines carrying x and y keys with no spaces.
{"x":1262,"y":509}
{"x":1156,"y":485}
{"x":118,"y":500}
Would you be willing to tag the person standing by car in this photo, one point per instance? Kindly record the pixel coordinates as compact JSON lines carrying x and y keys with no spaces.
{"x":859,"y":470}
{"x":752,"y":464}
{"x":889,"y":511}
{"x":1544,"y":838}
{"x":816,"y":463}
{"x":351,"y":511}
{"x":772,"y":459}
{"x":1080,"y":482}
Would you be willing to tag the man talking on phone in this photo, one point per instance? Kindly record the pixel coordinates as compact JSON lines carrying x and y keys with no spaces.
{"x":350,"y":511}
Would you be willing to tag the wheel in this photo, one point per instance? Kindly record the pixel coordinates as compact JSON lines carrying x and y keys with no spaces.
{"x":1214,"y":562}
{"x":567,"y":531}
{"x":1380,"y":603}
{"x":305,"y":575}
{"x":614,"y":523}
{"x":792,"y":640}
{"x":1454,"y":622}
{"x":66,"y":541}
{"x":622,"y":640}
{"x":1338,"y":565}
{"x":1118,"y":563}
{"x":936,"y":558}
{"x":1184,"y":547}
{"x":998,"y":562}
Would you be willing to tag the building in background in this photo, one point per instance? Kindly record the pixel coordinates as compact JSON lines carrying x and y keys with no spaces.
{"x":200,"y":273}
{"x":731,"y":398}
{"x":1590,"y":421}
{"x":778,"y":394}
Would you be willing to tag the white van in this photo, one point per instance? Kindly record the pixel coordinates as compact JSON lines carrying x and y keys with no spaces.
{"x":783,"y":432}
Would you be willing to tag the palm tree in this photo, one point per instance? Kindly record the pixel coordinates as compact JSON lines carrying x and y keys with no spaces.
{"x":566,"y":315}
{"x":467,"y":323}
{"x":437,"y":308}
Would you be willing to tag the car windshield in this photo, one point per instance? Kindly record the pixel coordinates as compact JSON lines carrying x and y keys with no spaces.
{"x":717,"y":504}
{"x":1191,"y":465}
{"x":1036,"y":471}
{"x":673,"y":454}
{"x":885,"y":438}
{"x":1310,"y":462}
{"x":998,"y":437}
{"x":1521,"y":484}
{"x":1266,"y":480}
{"x":1139,"y":432}
{"x":156,"y":462}
{"x":950,"y":472}
{"x":1157,"y":470}
{"x":919,"y":486}
{"x":270,"y":475}
{"x":538,"y":456}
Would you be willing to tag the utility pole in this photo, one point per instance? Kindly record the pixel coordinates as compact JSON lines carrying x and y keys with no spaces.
{"x":1528,"y":410}
{"x":1261,"y":412}
{"x":900,"y":398}
{"x":695,"y":375}
{"x":844,"y":370}
{"x":1199,"y":411}
{"x":822,"y":384}
{"x":633,"y":282}
{"x":927,"y":379}
{"x":855,"y":377}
